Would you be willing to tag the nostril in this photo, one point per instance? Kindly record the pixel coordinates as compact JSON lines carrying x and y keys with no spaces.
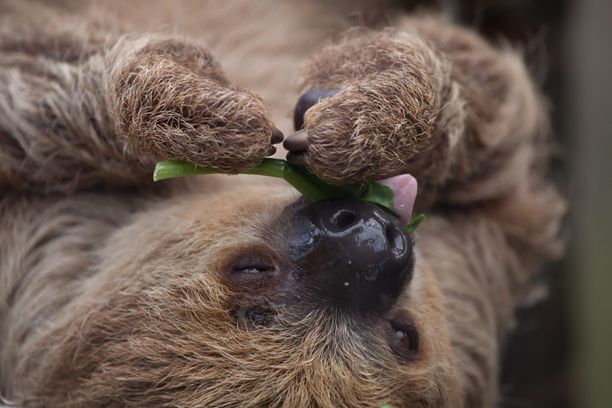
{"x":343,"y":219}
{"x":395,"y":239}
{"x":390,"y":233}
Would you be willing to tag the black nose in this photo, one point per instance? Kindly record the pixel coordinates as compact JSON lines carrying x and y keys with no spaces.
{"x":306,"y":101}
{"x":352,"y":254}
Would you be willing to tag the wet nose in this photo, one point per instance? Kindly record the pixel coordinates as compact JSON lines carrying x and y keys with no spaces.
{"x":352,"y":254}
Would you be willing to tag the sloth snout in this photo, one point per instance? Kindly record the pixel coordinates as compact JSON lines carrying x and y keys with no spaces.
{"x":351,"y":254}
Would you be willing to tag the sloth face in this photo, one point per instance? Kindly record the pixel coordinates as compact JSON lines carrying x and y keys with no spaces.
{"x":256,"y":297}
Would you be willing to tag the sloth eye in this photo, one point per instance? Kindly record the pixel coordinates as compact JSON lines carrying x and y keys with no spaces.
{"x":252,"y":270}
{"x":403,"y":338}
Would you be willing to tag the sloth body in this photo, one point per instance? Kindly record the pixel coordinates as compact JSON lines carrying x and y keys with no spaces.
{"x":118,"y":292}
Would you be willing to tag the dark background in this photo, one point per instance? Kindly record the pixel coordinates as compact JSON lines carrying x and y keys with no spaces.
{"x":560,"y":355}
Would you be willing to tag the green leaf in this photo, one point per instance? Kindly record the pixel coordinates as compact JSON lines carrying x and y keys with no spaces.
{"x":412,"y":226}
{"x":381,"y":195}
{"x":313,"y":191}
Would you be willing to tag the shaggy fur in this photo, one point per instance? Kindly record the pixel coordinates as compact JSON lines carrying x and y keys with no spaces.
{"x":114,"y":292}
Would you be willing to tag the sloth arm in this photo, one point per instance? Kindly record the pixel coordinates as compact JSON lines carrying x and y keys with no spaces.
{"x":436,"y":101}
{"x":82,"y":104}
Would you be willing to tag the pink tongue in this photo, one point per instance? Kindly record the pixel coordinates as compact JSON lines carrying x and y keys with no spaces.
{"x":404,"y":189}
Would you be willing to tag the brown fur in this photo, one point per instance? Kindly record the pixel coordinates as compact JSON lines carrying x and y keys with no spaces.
{"x":120,"y":297}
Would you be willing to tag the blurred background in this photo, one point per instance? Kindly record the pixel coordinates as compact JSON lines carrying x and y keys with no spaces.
{"x":560,"y":355}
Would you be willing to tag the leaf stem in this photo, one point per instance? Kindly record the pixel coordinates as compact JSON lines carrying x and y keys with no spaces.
{"x":175,"y":168}
{"x":306,"y":185}
{"x":300,"y":178}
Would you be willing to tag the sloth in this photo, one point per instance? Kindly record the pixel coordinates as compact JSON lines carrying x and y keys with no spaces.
{"x":223,"y":291}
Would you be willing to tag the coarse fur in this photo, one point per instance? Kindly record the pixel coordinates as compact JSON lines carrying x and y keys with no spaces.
{"x":116,"y":292}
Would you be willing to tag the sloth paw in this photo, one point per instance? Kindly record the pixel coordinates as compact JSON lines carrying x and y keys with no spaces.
{"x":371,"y":108}
{"x":173,"y":102}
